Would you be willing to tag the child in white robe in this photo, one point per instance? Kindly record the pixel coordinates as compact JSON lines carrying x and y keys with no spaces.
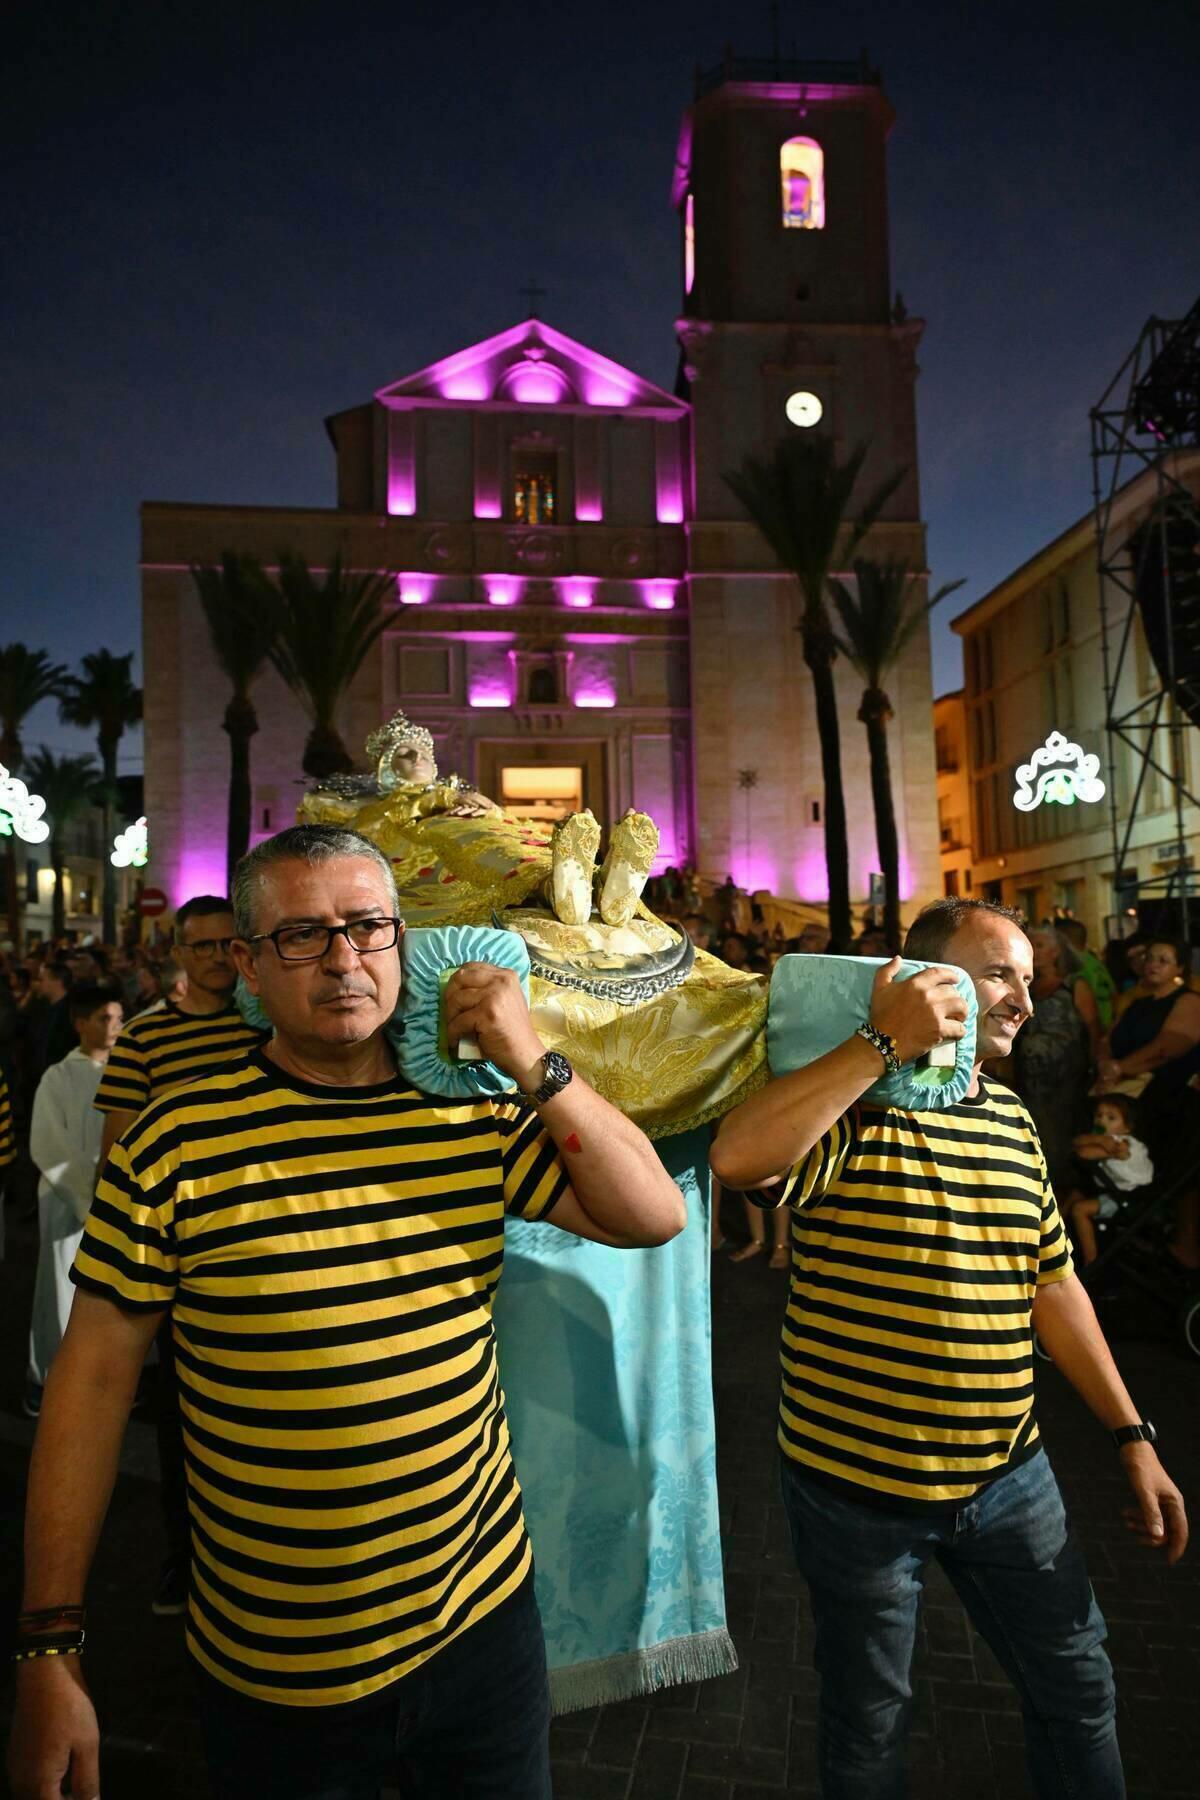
{"x":64,"y":1142}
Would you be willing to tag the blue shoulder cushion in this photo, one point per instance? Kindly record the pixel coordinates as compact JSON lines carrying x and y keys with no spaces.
{"x":431,"y":955}
{"x":816,"y":1002}
{"x":416,"y":1030}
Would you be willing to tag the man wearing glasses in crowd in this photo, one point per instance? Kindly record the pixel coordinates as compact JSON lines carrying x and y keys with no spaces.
{"x":327,"y":1241}
{"x":173,"y":1043}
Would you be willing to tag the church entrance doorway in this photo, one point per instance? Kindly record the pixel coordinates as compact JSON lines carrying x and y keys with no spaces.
{"x":543,"y":780}
{"x":541,"y":791}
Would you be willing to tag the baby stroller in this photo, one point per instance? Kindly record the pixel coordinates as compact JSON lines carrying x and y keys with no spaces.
{"x":1132,"y":1246}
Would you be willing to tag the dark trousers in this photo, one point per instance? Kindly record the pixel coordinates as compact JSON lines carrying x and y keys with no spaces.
{"x":168,"y":1426}
{"x":1018,"y":1569}
{"x":470,"y":1724}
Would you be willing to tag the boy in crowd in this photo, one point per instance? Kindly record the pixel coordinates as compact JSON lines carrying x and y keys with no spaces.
{"x":64,"y":1142}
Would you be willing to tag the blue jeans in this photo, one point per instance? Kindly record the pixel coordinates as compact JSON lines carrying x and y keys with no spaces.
{"x":1017,"y":1568}
{"x":473,"y":1722}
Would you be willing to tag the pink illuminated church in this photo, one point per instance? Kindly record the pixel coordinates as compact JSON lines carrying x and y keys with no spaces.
{"x":582,"y":614}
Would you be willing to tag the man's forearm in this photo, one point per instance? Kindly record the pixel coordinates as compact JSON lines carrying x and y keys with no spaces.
{"x":1065,"y":1321}
{"x":75,"y":1455}
{"x":615,"y":1173}
{"x":774,"y":1128}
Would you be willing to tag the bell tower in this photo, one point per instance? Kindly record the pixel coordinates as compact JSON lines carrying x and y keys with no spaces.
{"x":788,"y":324}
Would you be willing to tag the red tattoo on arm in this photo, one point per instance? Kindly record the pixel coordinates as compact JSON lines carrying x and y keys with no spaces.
{"x":572,"y":1144}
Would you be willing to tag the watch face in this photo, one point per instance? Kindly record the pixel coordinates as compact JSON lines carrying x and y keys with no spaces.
{"x":556,"y":1069}
{"x":804,"y":409}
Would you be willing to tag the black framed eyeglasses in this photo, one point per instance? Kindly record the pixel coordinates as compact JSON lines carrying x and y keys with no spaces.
{"x":309,"y":943}
{"x":205,"y":948}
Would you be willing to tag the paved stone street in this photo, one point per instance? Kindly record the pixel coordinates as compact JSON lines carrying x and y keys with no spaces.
{"x":748,"y":1736}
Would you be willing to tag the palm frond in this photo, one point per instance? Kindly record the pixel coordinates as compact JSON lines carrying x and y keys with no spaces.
{"x":325,"y":629}
{"x":800,"y":498}
{"x":241,"y":609}
{"x":66,"y":783}
{"x":880,"y":615}
{"x":27,"y":677}
{"x":105,"y":696}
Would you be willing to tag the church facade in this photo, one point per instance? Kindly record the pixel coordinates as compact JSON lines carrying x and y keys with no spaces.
{"x":581,"y":612}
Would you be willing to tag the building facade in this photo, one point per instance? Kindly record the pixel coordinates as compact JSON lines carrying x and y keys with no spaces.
{"x":953,"y":792}
{"x":583,"y":615}
{"x":1033,"y":665}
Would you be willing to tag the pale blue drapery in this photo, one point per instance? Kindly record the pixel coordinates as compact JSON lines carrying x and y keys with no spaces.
{"x":605,"y":1357}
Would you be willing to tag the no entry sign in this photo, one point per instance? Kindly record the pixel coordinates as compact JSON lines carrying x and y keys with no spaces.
{"x":151,"y":902}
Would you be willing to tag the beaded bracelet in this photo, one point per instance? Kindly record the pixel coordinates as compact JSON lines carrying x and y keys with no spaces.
{"x":68,"y":1645}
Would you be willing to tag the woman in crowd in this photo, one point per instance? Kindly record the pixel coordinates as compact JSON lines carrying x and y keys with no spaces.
{"x":1158,"y":1036}
{"x":1052,"y":1057}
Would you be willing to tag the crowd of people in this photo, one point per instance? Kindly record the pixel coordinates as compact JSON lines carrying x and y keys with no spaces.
{"x":35,"y":1011}
{"x":1109,"y":1067}
{"x":730,"y":923}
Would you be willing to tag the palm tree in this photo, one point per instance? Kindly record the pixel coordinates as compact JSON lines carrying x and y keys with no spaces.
{"x":878,"y":619}
{"x":325,"y":629}
{"x":799,"y":499}
{"x":27,"y":677}
{"x":67,"y":785}
{"x":241,"y":608}
{"x":105,"y":696}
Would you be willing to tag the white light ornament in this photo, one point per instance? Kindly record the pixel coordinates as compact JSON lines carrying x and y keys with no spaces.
{"x":131,"y":847}
{"x":20,"y":811}
{"x":1059,"y":773}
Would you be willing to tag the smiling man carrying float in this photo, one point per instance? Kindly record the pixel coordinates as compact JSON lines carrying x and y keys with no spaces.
{"x":328,"y":1242}
{"x":924,"y":1247}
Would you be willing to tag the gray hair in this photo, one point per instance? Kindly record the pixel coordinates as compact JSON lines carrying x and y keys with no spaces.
{"x":170,"y":973}
{"x":311,"y":844}
{"x":1065,"y":954}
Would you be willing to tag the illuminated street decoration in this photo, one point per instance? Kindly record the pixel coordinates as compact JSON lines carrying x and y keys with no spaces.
{"x":20,"y":811}
{"x":1058,"y":773}
{"x":131,"y":847}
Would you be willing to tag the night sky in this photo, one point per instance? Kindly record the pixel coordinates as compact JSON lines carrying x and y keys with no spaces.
{"x":223,"y":222}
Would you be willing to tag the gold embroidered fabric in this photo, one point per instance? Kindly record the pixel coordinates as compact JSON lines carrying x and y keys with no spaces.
{"x":675,"y":1061}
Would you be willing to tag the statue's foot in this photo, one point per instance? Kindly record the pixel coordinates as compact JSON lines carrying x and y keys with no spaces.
{"x":631,"y":852}
{"x":573,"y":846}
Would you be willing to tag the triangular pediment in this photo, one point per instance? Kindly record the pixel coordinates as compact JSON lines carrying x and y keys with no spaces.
{"x":531,"y":364}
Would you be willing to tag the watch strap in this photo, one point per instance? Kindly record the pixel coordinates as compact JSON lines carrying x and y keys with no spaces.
{"x":1143,"y":1433}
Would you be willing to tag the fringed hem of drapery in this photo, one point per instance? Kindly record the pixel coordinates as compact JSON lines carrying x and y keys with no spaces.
{"x":610,"y":1678}
{"x":716,"y":1109}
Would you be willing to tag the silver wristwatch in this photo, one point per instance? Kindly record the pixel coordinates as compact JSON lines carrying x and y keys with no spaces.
{"x":556,"y":1073}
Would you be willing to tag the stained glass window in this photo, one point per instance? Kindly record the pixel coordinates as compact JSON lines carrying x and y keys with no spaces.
{"x":802,"y":171}
{"x":534,"y":490}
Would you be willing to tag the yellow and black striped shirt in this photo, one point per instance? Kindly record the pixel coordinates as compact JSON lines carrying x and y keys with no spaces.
{"x":918,"y":1243}
{"x":8,"y":1142}
{"x":330,"y":1256}
{"x":164,"y":1049}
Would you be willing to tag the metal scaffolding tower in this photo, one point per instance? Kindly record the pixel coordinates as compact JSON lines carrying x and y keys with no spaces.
{"x":1147,"y":420}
